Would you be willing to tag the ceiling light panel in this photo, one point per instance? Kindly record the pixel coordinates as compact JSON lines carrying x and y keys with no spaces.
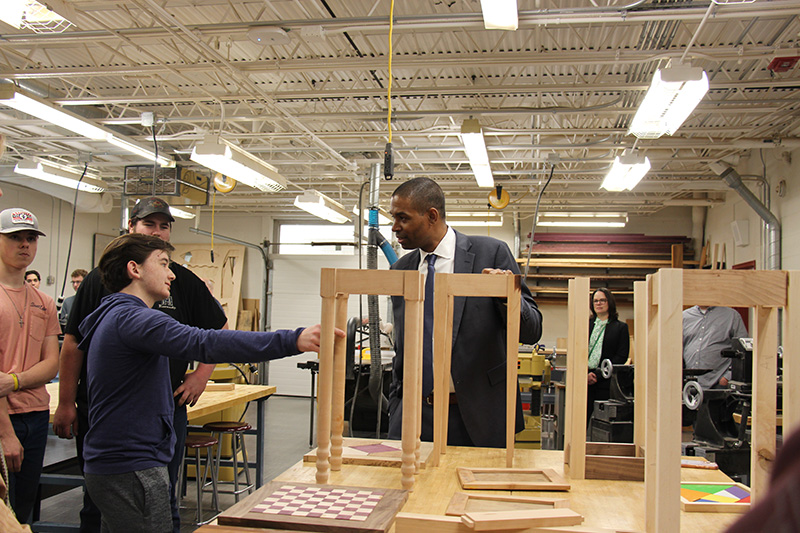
{"x":321,"y":206}
{"x":240,"y":165}
{"x":626,"y":171}
{"x":59,"y":175}
{"x":673,"y":94}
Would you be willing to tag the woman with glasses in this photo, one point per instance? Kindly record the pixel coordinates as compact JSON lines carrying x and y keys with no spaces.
{"x":608,"y":339}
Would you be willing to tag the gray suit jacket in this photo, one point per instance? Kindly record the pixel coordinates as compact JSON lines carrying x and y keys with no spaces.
{"x":479,"y":343}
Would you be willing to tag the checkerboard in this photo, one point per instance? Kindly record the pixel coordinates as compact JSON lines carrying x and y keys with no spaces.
{"x":320,"y":502}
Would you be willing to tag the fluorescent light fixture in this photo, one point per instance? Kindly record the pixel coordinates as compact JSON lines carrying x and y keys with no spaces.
{"x":141,"y":151}
{"x":500,"y":14}
{"x":37,"y":107}
{"x":468,"y":219}
{"x":239,"y":164}
{"x":475,"y":147}
{"x":583,"y":220}
{"x":384,"y":218}
{"x":12,"y":12}
{"x":626,"y":171}
{"x":321,"y":206}
{"x":177,"y":212}
{"x":50,"y":18}
{"x":59,"y":175}
{"x":33,"y":15}
{"x":672,"y":96}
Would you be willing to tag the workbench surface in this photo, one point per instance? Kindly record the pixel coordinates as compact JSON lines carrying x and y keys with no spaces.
{"x":606,"y":504}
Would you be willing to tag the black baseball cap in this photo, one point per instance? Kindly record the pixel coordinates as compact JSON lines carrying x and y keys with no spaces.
{"x":149,"y":206}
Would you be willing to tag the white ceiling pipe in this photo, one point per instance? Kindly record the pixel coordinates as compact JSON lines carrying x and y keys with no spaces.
{"x":87,"y":202}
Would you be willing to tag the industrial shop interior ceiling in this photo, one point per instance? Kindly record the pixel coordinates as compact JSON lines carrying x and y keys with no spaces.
{"x":296,"y":91}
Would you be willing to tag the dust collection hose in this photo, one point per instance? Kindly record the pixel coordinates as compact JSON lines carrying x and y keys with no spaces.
{"x":376,"y":240}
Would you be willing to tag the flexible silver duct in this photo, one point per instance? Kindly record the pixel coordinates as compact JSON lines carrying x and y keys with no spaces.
{"x":734,"y":181}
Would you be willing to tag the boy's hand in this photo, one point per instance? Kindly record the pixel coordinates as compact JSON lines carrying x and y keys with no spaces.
{"x":308,"y":341}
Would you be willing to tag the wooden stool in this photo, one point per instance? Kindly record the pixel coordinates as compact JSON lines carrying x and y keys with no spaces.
{"x":196,"y":443}
{"x":236,"y":430}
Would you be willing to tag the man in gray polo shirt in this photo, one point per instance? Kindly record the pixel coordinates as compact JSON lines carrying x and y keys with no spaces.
{"x":706,"y":332}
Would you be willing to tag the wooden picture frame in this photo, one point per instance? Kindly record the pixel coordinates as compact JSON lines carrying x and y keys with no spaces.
{"x":446,"y":288}
{"x":380,"y":519}
{"x":336,"y":286}
{"x":463,"y":502}
{"x":511,"y":479}
{"x":717,"y":501}
{"x":356,"y":452}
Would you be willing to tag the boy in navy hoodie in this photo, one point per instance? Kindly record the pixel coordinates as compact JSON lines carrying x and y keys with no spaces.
{"x":130,"y":438}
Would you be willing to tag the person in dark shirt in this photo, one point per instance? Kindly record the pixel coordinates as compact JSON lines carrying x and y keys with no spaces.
{"x":477,"y":393}
{"x":77,"y":277}
{"x":128,"y":345}
{"x":189,"y":303}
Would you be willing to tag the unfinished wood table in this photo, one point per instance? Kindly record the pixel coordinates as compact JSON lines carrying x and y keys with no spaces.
{"x":336,"y":286}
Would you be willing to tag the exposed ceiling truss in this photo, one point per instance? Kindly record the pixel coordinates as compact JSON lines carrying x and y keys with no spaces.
{"x":567,"y":82}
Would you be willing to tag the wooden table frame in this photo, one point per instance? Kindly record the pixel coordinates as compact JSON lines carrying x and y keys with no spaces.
{"x":658,"y":309}
{"x":577,"y":387}
{"x":668,"y":291}
{"x":589,"y":460}
{"x":446,"y":288}
{"x":336,"y":285}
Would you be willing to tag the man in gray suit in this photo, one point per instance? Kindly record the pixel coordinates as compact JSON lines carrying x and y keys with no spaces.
{"x":478,"y":372}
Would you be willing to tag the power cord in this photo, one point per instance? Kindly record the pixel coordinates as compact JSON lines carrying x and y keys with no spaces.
{"x":535,"y":218}
{"x":71,"y":233}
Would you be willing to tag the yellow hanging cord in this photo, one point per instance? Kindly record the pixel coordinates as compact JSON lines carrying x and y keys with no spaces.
{"x":213,"y":212}
{"x":389,"y":96}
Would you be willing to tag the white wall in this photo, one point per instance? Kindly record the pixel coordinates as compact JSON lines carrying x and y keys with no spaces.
{"x":296,"y":302}
{"x":780,"y":165}
{"x":55,"y":217}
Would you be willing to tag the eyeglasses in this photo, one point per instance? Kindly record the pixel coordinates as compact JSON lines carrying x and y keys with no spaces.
{"x":603,"y":301}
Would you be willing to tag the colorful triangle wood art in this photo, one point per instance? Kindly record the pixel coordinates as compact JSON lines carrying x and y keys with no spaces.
{"x":715,"y":497}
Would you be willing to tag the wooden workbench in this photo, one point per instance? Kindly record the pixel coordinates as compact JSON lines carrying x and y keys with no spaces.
{"x":213,"y":402}
{"x":605,"y":504}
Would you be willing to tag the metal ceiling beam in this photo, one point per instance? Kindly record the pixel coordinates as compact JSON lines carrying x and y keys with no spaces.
{"x":360,"y":64}
{"x":465,"y":21}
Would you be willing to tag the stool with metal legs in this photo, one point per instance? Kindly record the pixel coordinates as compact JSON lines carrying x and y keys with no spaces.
{"x":237,"y":431}
{"x":196,"y":443}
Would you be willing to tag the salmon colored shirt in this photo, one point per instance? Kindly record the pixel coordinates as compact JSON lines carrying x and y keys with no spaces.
{"x":21,"y":347}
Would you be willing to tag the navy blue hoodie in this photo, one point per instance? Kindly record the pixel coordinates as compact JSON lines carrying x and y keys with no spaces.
{"x":130,"y":395}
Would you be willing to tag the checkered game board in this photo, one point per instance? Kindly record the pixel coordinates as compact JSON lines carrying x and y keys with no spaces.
{"x":320,"y":502}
